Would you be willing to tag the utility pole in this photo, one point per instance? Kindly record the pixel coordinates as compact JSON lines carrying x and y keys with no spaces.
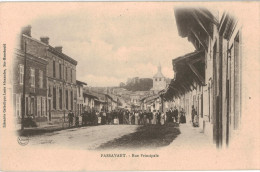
{"x":24,"y":79}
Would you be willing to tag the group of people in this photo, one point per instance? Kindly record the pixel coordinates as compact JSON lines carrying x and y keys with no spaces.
{"x":122,"y":116}
{"x":135,"y":117}
{"x":173,"y":115}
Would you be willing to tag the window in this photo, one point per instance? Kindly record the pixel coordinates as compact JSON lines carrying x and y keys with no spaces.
{"x":18,"y":105}
{"x":40,"y":78}
{"x":66,"y":73}
{"x":21,"y":73}
{"x":79,"y":91}
{"x":67,"y":99}
{"x":155,"y":79}
{"x":71,"y":75}
{"x":43,"y":106}
{"x":60,"y":98}
{"x":32,"y":72}
{"x":54,"y":98}
{"x":54,"y":69}
{"x":159,"y":79}
{"x":32,"y":104}
{"x":49,"y":91}
{"x":60,"y":71}
{"x":38,"y":106}
{"x":71,"y":100}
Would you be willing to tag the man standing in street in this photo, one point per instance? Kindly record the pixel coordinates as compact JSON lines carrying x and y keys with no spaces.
{"x":70,"y":116}
{"x":175,"y":114}
{"x":171,"y":115}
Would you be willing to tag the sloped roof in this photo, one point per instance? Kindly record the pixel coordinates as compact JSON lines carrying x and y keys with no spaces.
{"x":189,"y":69}
{"x":159,"y":73}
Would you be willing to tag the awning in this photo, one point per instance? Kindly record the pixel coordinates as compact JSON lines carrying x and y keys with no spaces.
{"x":196,"y":24}
{"x":189,"y":72}
{"x":100,"y":101}
{"x":80,"y":83}
{"x":89,"y":95}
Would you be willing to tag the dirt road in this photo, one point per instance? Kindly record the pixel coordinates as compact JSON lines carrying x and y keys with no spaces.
{"x":84,"y":137}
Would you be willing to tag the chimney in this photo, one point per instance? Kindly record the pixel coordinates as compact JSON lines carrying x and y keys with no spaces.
{"x":45,"y":40}
{"x":27,"y":30}
{"x":58,"y":48}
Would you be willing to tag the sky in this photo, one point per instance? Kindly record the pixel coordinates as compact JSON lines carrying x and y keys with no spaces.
{"x":115,"y":41}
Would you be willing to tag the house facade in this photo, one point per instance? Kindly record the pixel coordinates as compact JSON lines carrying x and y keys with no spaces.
{"x":210,"y":78}
{"x":62,"y":89}
{"x":59,"y":76}
{"x":33,"y":73}
{"x":80,"y":97}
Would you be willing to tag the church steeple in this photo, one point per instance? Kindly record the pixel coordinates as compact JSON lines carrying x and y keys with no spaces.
{"x":159,"y":81}
{"x":159,"y":72}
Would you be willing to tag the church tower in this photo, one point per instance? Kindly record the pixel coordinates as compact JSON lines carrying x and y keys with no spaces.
{"x":159,"y":80}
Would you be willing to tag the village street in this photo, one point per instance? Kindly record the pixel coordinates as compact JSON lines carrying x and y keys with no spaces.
{"x":197,"y":88}
{"x":121,"y":137}
{"x":83,"y":138}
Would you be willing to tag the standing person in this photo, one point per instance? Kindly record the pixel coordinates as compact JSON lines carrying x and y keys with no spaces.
{"x":158,"y":117}
{"x":167,"y":116}
{"x":104,"y":118}
{"x":141,"y":118}
{"x":177,"y":115}
{"x":175,"y":112}
{"x":162,"y":118}
{"x":192,"y":114}
{"x":171,"y":115}
{"x":130,"y":118}
{"x":89,"y":117}
{"x":70,"y":116}
{"x":145,"y":118}
{"x":83,"y":118}
{"x":98,"y":114}
{"x":133,"y":118}
{"x":77,"y":120}
{"x":109,"y":117}
{"x":121,"y":117}
{"x":85,"y":114}
{"x":196,"y":119}
{"x":136,"y":117}
{"x":154,"y":117}
{"x":150,"y":117}
{"x":94,"y":117}
{"x":126,"y":117}
{"x":182,"y":116}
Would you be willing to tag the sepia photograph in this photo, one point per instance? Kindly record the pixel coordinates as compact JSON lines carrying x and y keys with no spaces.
{"x":90,"y":86}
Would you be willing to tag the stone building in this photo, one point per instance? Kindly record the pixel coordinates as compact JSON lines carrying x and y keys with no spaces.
{"x":89,"y":101}
{"x":60,"y":74}
{"x":80,"y":98}
{"x":35,"y":79}
{"x":210,"y":78}
{"x":159,"y":80}
{"x":62,"y":90}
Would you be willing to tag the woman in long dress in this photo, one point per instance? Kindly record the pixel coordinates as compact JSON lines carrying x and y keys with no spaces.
{"x":154,"y":117}
{"x":136,"y":118}
{"x":162,"y":118}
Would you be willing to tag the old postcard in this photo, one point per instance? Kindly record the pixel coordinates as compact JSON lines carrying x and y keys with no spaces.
{"x":127,"y":86}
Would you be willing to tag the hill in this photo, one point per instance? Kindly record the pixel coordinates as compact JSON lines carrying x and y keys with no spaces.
{"x":140,"y":84}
